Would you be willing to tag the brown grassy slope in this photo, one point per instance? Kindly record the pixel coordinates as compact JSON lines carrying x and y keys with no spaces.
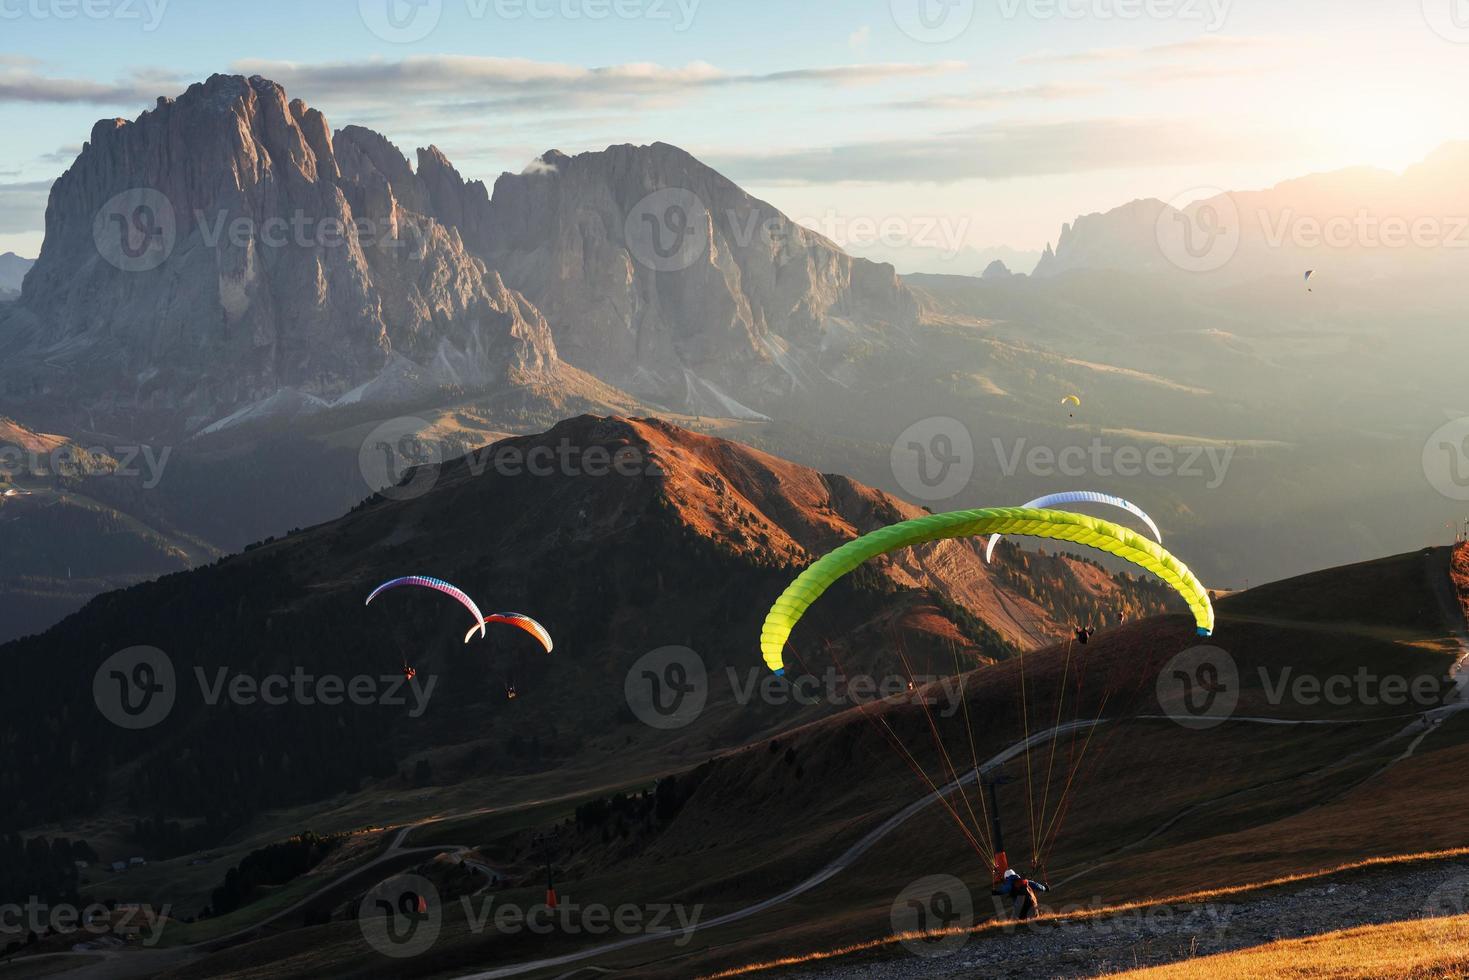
{"x":12,"y":433}
{"x":1424,"y":949}
{"x":1386,"y":593}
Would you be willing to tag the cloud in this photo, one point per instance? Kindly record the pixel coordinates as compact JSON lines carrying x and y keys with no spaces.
{"x":860,"y":38}
{"x":540,"y":166}
{"x":1208,"y":44}
{"x":462,"y":81}
{"x":1188,"y":73}
{"x":993,"y":152}
{"x":524,"y":84}
{"x":23,"y":206}
{"x":1050,"y":92}
{"x":62,"y":154}
{"x":19,"y":83}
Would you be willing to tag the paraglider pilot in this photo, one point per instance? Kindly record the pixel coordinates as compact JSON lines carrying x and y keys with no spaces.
{"x":1007,"y":882}
{"x":1022,"y":890}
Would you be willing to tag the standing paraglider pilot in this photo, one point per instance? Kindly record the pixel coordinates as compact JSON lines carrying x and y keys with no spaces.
{"x":1022,"y":890}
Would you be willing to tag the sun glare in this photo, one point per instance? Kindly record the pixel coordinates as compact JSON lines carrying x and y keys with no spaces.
{"x":1385,"y":128}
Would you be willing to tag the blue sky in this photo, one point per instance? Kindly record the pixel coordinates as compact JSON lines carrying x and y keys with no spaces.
{"x":988,"y":122}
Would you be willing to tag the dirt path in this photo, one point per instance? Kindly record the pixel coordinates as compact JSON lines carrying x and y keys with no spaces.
{"x":836,"y":867}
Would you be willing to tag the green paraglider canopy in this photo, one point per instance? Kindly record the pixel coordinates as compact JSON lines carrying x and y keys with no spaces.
{"x":1056,"y":524}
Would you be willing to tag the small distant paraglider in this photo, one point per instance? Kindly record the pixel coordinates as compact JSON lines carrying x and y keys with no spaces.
{"x":1074,"y":402}
{"x":481,"y":621}
{"x":1307,"y":280}
{"x":519,"y":620}
{"x":439,"y":585}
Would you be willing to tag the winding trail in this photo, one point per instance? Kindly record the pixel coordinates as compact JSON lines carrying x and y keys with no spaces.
{"x":841,"y":863}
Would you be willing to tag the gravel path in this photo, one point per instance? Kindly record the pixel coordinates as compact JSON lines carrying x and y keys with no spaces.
{"x":1167,"y":934}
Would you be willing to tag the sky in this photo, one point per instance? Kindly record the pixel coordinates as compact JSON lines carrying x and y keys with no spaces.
{"x":942,"y":127}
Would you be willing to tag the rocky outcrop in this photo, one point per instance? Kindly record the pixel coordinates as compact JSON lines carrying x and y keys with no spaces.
{"x":1123,"y":238}
{"x":664,"y":277}
{"x":227,"y":245}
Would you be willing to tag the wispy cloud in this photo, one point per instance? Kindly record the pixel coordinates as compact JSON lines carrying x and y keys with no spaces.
{"x":62,"y":154}
{"x":20,"y":82}
{"x":1209,"y":44}
{"x":993,"y":152}
{"x":518,"y":83}
{"x":1050,"y":92}
{"x":1190,"y":73}
{"x":23,"y":206}
{"x":507,"y":84}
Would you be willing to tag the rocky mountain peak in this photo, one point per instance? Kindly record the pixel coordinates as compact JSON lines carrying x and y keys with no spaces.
{"x":226,"y":245}
{"x":667,"y":278}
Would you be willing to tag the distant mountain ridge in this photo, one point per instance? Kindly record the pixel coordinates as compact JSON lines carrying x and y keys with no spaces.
{"x":1355,"y":222}
{"x":13,"y":269}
